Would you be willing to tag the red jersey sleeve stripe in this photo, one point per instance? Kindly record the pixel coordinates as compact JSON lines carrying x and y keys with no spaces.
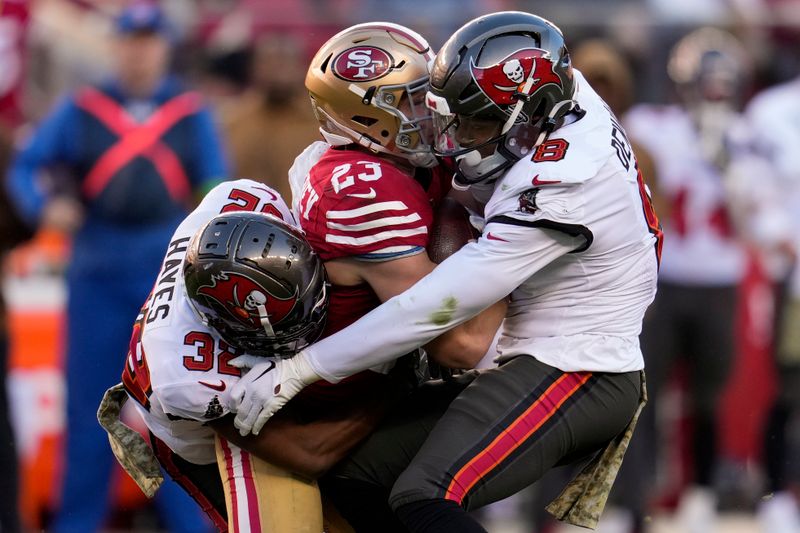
{"x":367,"y":210}
{"x":377,"y":223}
{"x":377,"y":237}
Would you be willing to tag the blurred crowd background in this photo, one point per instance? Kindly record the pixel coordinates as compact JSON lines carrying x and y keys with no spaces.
{"x":716,"y":449}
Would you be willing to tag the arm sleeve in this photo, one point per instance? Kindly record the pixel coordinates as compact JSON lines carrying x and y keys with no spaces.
{"x":465,"y":284}
{"x":211,"y":165}
{"x":49,"y":144}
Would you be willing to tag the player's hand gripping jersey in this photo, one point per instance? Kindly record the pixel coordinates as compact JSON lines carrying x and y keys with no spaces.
{"x":177,"y":368}
{"x":570,"y":234}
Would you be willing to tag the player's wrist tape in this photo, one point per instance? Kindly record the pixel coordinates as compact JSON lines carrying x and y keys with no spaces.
{"x":312,"y":369}
{"x":303,"y":369}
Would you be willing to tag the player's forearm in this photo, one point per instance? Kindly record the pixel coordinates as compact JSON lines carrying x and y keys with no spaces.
{"x":464,"y":346}
{"x":291,"y":446}
{"x":477,"y":276}
{"x":340,"y":438}
{"x":310,"y":448}
{"x":445,"y":298}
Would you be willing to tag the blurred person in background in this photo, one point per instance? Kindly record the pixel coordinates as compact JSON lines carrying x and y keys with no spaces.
{"x":770,"y":182}
{"x":13,"y":23}
{"x":12,"y":232}
{"x":437,"y":20}
{"x":276,"y":108}
{"x":126,"y":160}
{"x":694,"y":312}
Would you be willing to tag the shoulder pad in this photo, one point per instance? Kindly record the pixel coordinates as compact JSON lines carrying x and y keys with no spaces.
{"x":244,"y":195}
{"x":303,"y":163}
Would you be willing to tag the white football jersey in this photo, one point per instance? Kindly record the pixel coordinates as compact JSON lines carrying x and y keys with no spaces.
{"x":773,"y":117}
{"x":700,"y":247}
{"x":177,"y":367}
{"x":570,"y":235}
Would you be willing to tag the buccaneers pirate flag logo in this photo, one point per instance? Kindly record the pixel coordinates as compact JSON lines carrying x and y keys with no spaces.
{"x":247,"y":301}
{"x":502,"y":81}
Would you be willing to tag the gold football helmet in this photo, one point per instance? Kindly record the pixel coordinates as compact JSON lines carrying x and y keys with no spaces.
{"x":367,"y":85}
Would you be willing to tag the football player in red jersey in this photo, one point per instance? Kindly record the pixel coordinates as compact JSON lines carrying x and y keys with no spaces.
{"x":570,"y":232}
{"x":368,"y":194}
{"x":366,"y":207}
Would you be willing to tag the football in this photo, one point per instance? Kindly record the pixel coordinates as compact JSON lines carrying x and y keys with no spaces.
{"x":451,"y":230}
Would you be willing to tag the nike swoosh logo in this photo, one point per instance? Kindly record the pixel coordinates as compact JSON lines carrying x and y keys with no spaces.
{"x":367,"y":195}
{"x":537,"y":182}
{"x":495,"y":237}
{"x":271,"y":367}
{"x":220,"y":387}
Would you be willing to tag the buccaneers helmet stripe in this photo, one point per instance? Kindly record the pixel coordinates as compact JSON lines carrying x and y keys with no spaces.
{"x":414,"y":38}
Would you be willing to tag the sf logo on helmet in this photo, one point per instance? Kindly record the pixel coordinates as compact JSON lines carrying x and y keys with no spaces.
{"x":362,"y":63}
{"x":247,"y":301}
{"x":502,"y":81}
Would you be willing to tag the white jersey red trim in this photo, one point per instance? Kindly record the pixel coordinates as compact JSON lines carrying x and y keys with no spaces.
{"x":577,"y":252}
{"x":701,"y":247}
{"x":772,"y":119}
{"x":170,"y":341}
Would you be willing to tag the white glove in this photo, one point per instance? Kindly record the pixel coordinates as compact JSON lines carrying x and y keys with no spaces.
{"x":266,"y":387}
